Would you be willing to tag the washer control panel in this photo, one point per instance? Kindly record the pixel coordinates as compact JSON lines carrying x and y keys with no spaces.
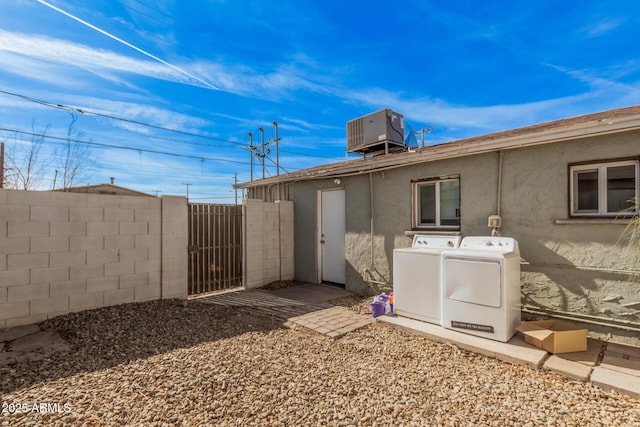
{"x":490,"y":243}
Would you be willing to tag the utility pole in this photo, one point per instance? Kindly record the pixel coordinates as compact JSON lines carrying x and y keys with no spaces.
{"x":423,"y":130}
{"x":251,"y":153}
{"x":187,"y":184}
{"x":235,"y":181}
{"x":277,"y":151}
{"x":262,"y":156}
{"x":262,"y":151}
{"x":2,"y":165}
{"x":55,"y":178}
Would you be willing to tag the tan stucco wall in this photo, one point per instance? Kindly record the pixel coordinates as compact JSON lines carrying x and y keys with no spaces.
{"x":572,"y":267}
{"x":567,"y":267}
{"x":65,"y":252}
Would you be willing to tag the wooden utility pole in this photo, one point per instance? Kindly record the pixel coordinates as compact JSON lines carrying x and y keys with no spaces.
{"x":2,"y":165}
{"x":235,"y":181}
{"x":187,"y":184}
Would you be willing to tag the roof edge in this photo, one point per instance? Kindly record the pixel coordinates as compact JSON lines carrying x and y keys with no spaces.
{"x":590,"y":125}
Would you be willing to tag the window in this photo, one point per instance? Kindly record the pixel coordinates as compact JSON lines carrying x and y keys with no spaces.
{"x":604,"y":189}
{"x":437,"y":203}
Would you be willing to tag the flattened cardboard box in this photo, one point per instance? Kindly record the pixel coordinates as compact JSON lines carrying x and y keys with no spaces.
{"x":554,"y":336}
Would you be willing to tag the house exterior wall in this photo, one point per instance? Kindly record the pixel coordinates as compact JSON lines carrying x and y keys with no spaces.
{"x":571,"y":266}
{"x":64,"y":252}
{"x":305,"y":199}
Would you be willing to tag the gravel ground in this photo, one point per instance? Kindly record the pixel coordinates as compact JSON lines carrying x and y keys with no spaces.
{"x":161,"y":363}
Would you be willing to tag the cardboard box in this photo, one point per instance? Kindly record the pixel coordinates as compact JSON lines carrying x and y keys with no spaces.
{"x":554,"y":336}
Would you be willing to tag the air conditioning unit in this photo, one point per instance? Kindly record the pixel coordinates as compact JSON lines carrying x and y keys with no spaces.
{"x":382,"y":131}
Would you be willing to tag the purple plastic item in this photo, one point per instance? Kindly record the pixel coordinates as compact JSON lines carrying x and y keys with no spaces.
{"x":377,"y":309}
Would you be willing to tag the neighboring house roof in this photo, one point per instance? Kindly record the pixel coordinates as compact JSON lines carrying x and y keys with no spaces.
{"x":602,"y":123}
{"x":105,"y":189}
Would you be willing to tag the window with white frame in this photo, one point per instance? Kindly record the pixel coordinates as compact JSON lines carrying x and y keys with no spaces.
{"x":436,"y":203}
{"x":604,"y":189}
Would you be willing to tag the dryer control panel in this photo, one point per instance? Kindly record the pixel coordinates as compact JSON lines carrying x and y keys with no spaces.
{"x":490,"y":243}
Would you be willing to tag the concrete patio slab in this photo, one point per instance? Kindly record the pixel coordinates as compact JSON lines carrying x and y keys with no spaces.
{"x":589,"y":357}
{"x":304,"y":305}
{"x":25,"y":343}
{"x":38,"y":341}
{"x":263,"y":301}
{"x":311,"y":294}
{"x":515,"y":351}
{"x":608,"y":379}
{"x":622,"y":359}
{"x":333,"y":322}
{"x":17,"y":332}
{"x":569,"y":368}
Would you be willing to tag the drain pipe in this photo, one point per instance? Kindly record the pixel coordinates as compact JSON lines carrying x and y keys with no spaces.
{"x":499,"y":198}
{"x":369,"y":271}
{"x":495,"y":221}
{"x":371,"y":217}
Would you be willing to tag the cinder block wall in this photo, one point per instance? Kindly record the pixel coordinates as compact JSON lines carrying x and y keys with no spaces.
{"x":268,"y":242}
{"x":64,"y":252}
{"x":175,"y":240}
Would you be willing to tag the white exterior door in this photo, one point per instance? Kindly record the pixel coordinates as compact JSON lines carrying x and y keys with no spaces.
{"x":332,"y":236}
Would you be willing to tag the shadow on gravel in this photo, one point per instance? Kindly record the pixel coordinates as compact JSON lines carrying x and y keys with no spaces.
{"x":109,"y":336}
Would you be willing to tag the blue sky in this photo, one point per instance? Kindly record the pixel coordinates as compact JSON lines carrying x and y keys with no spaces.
{"x":215,"y":70}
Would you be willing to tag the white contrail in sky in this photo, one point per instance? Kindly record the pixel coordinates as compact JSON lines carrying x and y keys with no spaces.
{"x":126,"y":43}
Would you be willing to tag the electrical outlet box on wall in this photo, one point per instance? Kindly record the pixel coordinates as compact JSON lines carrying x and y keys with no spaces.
{"x":495,"y":221}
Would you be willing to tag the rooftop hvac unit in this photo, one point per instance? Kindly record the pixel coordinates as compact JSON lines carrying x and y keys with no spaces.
{"x":382,"y":131}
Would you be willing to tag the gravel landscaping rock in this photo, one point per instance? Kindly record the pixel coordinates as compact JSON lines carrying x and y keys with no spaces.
{"x":281,"y":284}
{"x":360,"y":305}
{"x":162,"y":363}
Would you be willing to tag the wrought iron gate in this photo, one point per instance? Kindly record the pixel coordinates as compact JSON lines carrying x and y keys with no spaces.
{"x":215,"y":247}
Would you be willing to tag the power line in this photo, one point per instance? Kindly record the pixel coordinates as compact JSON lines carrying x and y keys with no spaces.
{"x":84,"y":111}
{"x":146,"y":14}
{"x":151,"y":7}
{"x":166,"y":23}
{"x":87,"y":112}
{"x":139,"y":150}
{"x":308,"y":155}
{"x":172,"y":139}
{"x":59,"y":140}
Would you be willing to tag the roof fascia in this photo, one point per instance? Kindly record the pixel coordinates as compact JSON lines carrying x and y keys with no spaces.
{"x":460,"y":148}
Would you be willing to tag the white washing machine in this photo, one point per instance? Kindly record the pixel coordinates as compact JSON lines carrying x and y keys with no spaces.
{"x":416,"y":277}
{"x":481,"y":287}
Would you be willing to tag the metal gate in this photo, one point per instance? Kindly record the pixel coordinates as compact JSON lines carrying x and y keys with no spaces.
{"x":215,"y":247}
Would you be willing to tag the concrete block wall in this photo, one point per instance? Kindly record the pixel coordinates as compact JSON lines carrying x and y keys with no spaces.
{"x":268,"y":242}
{"x":175,"y":242}
{"x":66,"y":252}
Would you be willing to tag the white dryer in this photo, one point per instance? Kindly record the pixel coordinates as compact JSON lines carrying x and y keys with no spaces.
{"x":481,"y":287}
{"x":416,"y":277}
